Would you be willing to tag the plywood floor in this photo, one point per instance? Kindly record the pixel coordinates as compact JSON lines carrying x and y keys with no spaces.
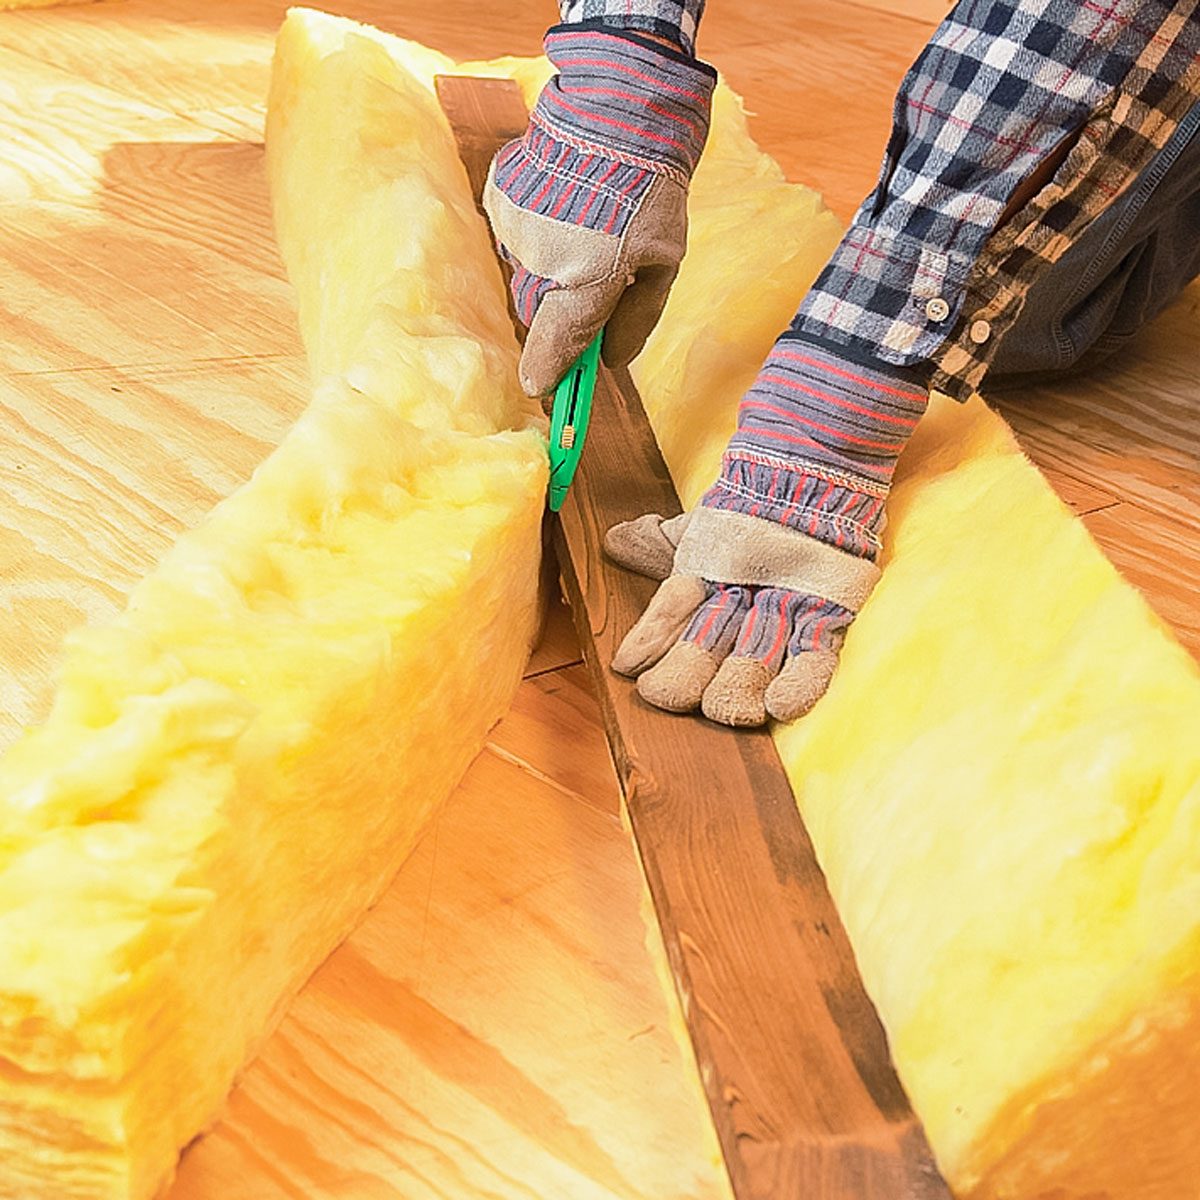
{"x":497,"y":1027}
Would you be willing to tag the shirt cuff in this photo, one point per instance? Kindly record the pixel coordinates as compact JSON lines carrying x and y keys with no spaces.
{"x":677,"y":20}
{"x":887,"y":296}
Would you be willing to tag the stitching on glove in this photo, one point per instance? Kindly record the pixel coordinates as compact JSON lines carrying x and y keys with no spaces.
{"x":802,"y":466}
{"x":654,"y":166}
{"x":544,"y":163}
{"x":835,"y":521}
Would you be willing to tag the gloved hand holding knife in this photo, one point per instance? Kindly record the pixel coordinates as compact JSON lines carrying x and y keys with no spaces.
{"x":590,"y":206}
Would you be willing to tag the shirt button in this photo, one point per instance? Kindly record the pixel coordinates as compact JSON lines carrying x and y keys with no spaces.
{"x":937,"y":309}
{"x":980,"y":332}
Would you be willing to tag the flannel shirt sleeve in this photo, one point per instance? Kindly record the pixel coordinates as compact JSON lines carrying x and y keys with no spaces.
{"x":675,"y":19}
{"x":923,"y":276}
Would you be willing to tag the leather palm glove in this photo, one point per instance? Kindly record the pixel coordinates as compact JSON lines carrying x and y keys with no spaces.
{"x":590,"y":206}
{"x":764,"y":577}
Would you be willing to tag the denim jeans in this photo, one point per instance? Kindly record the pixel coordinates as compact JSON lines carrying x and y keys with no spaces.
{"x":1126,"y":268}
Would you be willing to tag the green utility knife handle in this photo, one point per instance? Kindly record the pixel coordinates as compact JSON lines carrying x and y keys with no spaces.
{"x":569,"y":420}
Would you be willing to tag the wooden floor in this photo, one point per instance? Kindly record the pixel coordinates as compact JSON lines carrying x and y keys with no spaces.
{"x":497,"y":1027}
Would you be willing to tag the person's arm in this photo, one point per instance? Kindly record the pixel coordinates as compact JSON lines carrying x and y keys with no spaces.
{"x":1025,"y":118}
{"x":1017,"y":126}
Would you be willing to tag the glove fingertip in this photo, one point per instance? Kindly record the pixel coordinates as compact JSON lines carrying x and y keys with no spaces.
{"x":678,"y":681}
{"x":805,"y":678}
{"x":536,"y":383}
{"x":562,"y":326}
{"x":641,"y":546}
{"x":543,"y":362}
{"x":665,"y":618}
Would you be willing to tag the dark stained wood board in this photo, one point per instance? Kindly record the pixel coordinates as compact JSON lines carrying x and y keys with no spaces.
{"x":793,"y":1057}
{"x":484,"y":114}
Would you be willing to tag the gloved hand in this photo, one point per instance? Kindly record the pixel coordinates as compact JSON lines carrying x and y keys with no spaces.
{"x":590,"y":206}
{"x":765,"y":576}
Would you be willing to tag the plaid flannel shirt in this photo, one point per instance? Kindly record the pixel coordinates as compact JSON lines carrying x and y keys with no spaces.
{"x":675,"y":19}
{"x":922,"y":275}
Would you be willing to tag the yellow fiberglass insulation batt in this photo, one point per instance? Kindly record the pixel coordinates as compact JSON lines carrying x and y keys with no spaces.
{"x":1003,"y":783}
{"x":1004,"y":797}
{"x":236,"y":766}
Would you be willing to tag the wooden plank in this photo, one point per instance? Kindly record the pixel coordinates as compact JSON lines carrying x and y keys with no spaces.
{"x":558,"y":646}
{"x":1082,"y":496}
{"x":521,"y":912}
{"x":496,"y":1028}
{"x":484,"y":114}
{"x":793,"y":1057}
{"x":58,"y":128}
{"x":917,"y":10}
{"x":192,"y":220}
{"x":553,"y":710}
{"x":820,"y":92}
{"x":210,"y":62}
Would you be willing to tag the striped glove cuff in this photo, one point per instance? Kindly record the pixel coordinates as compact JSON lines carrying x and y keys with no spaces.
{"x":816,"y":445}
{"x":620,"y":96}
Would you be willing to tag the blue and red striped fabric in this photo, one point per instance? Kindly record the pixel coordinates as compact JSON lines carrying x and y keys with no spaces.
{"x":546,"y":175}
{"x":816,"y":445}
{"x":769,"y":624}
{"x":621,"y":112}
{"x":625,"y":97}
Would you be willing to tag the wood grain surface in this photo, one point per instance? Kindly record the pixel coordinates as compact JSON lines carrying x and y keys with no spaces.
{"x":496,"y":1027}
{"x":101,"y":468}
{"x":136,"y":254}
{"x":1130,"y":432}
{"x":793,"y":1057}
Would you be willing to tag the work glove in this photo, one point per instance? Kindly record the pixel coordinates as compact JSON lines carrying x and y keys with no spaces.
{"x":763,"y":578}
{"x":590,"y":206}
